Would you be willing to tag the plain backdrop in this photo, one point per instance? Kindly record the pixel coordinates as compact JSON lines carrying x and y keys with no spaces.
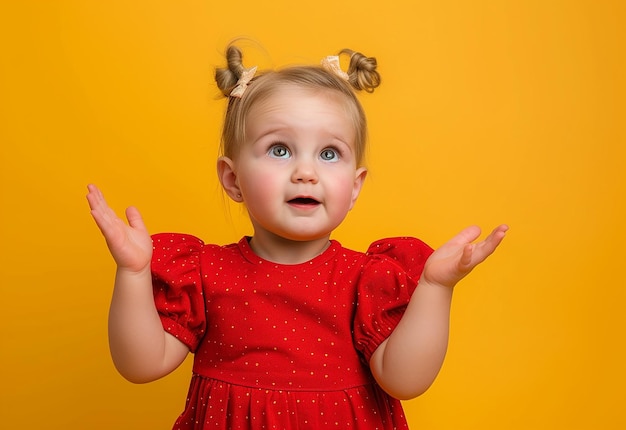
{"x":489,"y":112}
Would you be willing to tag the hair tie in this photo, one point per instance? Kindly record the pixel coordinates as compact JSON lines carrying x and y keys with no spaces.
{"x":331,"y":63}
{"x":242,"y":83}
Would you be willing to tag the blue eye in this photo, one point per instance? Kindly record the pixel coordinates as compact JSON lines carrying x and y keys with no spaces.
{"x":278,"y":151}
{"x":329,"y":154}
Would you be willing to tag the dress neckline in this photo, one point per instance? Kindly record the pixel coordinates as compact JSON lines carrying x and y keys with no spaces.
{"x":252,"y":257}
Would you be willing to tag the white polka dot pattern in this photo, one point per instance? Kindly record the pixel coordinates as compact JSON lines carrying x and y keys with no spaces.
{"x":284,"y":346}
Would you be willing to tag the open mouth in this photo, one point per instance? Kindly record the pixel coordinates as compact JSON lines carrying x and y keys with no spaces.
{"x":306,"y":201}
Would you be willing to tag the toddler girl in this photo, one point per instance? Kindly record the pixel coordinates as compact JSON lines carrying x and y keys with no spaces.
{"x":290,"y":330}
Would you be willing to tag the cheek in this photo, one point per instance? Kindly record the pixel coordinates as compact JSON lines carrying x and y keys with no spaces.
{"x":259,"y":184}
{"x":341,"y":188}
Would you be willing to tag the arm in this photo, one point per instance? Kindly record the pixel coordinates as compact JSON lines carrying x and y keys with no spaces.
{"x":141,"y":350}
{"x":408,"y":361}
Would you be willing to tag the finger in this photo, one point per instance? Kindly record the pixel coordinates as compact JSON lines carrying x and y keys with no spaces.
{"x":98,"y":203}
{"x":489,"y":245}
{"x":497,"y":235}
{"x":467,"y":235}
{"x":94,"y":196}
{"x":466,"y":256}
{"x":135,"y":220}
{"x":106,"y":219}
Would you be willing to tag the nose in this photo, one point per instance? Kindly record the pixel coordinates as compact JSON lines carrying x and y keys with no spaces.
{"x":304,"y":171}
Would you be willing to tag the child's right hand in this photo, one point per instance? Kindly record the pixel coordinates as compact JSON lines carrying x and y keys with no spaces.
{"x":130,"y":244}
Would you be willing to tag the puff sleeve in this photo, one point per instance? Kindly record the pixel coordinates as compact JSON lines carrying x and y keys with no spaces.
{"x":177,"y":286}
{"x":388,"y":280}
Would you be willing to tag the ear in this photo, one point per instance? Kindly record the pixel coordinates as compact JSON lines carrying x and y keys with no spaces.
{"x":359,"y":179}
{"x":228,"y":178}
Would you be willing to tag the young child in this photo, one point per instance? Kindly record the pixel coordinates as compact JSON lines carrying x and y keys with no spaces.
{"x":289,"y":329}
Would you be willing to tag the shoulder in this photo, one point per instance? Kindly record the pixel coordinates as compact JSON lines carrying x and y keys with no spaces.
{"x":400,"y":247}
{"x":172,"y":240}
{"x":170,"y":247}
{"x":408,"y":254}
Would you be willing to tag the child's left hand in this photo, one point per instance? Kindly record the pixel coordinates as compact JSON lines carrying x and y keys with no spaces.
{"x":456,"y":258}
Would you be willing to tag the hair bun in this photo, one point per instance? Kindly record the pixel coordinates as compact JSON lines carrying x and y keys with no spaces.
{"x":362,"y":71}
{"x":226,"y":78}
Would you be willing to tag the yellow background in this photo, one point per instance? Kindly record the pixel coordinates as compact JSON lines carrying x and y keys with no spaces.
{"x":489,"y":112}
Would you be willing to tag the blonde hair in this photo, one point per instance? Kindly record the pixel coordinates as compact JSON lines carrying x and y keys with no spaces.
{"x":362,"y":75}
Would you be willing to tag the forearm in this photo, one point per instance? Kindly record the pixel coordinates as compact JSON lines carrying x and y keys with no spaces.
{"x":141,"y":350}
{"x":407,"y":363}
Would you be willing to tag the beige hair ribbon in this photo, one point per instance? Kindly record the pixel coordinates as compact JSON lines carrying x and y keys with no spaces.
{"x":331,"y":63}
{"x":242,"y":83}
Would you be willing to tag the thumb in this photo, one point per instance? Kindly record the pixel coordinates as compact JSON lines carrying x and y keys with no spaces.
{"x":135,"y":220}
{"x":468,"y":234}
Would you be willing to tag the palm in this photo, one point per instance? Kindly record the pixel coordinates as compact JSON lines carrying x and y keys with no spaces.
{"x":456,"y":258}
{"x":130,"y":244}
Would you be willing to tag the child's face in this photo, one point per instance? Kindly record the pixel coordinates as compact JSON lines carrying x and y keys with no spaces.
{"x":297,"y":171}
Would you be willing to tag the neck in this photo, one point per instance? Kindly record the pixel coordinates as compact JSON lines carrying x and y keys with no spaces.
{"x":286,"y":251}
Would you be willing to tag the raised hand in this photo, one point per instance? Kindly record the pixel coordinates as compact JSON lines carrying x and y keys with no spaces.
{"x":456,"y":258}
{"x":130,"y":244}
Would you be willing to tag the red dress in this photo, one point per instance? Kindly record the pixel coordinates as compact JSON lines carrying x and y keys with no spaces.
{"x":284,"y":346}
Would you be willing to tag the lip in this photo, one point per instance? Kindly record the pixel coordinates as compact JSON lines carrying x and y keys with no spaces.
{"x":304,"y":202}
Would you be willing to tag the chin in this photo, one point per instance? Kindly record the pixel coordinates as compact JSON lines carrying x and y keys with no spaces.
{"x":305,"y":237}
